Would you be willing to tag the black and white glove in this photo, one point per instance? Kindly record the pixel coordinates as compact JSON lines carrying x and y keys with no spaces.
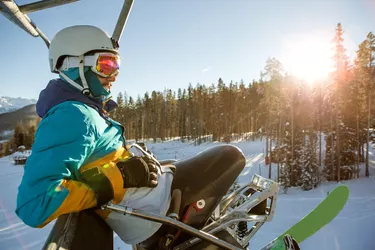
{"x":139,"y":171}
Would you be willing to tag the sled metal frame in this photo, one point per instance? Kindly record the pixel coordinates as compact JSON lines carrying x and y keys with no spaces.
{"x":171,"y":222}
{"x":235,"y":207}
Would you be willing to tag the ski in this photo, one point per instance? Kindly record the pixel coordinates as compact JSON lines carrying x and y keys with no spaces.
{"x":324,"y":213}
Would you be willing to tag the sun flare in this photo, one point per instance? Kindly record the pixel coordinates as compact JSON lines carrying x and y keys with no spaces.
{"x":308,"y":57}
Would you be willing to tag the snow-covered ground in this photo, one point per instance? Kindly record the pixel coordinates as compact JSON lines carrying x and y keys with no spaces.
{"x":353,"y":228}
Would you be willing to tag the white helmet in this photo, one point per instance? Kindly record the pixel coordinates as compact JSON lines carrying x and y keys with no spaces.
{"x":77,"y":41}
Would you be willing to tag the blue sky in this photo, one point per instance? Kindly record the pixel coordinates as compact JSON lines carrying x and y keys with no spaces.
{"x":171,"y":43}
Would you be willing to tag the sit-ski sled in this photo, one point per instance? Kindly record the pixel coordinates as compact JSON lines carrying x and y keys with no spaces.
{"x":209,"y":209}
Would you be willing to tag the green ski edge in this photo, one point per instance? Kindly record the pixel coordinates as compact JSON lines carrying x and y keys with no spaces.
{"x":324,"y":213}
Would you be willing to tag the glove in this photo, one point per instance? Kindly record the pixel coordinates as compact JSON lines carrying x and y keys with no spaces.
{"x":139,"y":171}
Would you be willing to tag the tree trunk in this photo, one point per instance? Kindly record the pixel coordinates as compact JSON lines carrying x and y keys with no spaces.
{"x":279,"y":136}
{"x":358,"y":143}
{"x":332,"y":146}
{"x":291,"y":170}
{"x":267,"y":157}
{"x":320,"y":126}
{"x":338,"y":154}
{"x":270,"y":160}
{"x":367,"y":174}
{"x":278,"y":149}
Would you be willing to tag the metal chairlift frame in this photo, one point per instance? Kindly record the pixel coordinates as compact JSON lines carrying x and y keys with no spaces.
{"x":18,"y":15}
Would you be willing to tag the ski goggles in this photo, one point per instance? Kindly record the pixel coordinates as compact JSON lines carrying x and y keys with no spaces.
{"x":103,"y":64}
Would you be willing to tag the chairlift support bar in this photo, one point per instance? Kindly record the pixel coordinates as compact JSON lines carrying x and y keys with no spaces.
{"x":41,"y":5}
{"x":40,"y":33}
{"x":11,"y":11}
{"x":17,"y":14}
{"x":121,"y":21}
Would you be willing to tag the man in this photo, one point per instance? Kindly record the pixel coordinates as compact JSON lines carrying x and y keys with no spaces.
{"x":79,"y":159}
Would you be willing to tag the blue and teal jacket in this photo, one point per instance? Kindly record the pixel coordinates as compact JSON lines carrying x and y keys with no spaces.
{"x":74,"y":135}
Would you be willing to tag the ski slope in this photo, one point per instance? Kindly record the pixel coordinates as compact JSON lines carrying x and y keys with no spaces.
{"x":353,"y":228}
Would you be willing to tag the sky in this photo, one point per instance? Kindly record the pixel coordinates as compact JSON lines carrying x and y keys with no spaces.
{"x":171,"y":43}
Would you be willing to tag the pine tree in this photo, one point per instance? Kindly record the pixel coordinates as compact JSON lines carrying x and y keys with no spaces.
{"x":285,"y":158}
{"x":366,"y":56}
{"x":340,"y":80}
{"x":30,"y":135}
{"x":19,"y":135}
{"x":310,"y":170}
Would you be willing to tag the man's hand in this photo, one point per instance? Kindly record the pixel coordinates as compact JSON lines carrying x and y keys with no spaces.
{"x":139,"y":171}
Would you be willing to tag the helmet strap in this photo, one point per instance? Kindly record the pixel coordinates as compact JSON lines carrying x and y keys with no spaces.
{"x":73,"y":83}
{"x":85,"y":90}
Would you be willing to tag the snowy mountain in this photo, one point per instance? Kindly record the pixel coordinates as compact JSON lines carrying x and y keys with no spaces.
{"x":8,"y":104}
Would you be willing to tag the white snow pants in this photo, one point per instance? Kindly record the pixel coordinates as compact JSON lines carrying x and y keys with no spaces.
{"x":156,"y":200}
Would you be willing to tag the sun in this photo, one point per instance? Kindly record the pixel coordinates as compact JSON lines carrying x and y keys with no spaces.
{"x":308,"y":57}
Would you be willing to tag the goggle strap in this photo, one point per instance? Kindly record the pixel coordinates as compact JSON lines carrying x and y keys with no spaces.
{"x":81,"y":72}
{"x":73,"y":62}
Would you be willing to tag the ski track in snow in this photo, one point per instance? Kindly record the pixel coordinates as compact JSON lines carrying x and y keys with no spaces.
{"x":352,"y":229}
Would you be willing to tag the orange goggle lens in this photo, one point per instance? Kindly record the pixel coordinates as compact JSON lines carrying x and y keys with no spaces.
{"x":108,"y":65}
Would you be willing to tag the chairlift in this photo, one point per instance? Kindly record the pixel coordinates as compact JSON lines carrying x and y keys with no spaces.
{"x":18,"y":15}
